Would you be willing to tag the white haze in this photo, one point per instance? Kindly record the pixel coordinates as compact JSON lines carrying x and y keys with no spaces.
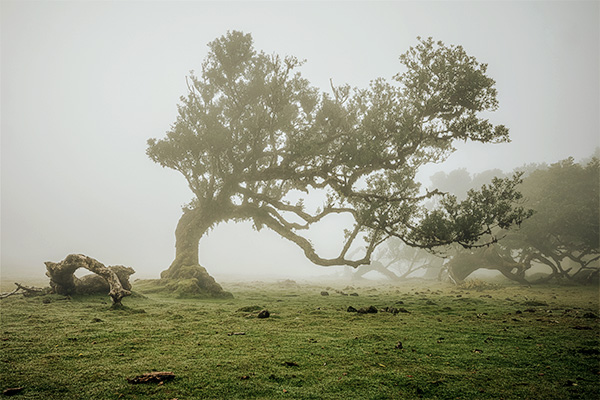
{"x":85,"y":84}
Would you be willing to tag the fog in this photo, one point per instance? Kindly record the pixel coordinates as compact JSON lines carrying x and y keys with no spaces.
{"x":85,"y":84}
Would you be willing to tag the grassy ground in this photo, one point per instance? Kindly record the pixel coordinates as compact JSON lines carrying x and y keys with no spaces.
{"x":502,"y":343}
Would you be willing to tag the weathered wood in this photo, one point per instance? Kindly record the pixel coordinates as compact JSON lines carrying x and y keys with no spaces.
{"x":63,"y":281}
{"x":7,"y":294}
{"x":29,"y":289}
{"x":24,"y":290}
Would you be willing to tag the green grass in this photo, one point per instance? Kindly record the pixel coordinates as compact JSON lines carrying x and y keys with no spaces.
{"x":456,"y":343}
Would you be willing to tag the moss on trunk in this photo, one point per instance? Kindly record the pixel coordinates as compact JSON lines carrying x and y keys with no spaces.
{"x":185,"y":277}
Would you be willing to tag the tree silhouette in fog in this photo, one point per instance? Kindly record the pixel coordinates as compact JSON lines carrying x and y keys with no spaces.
{"x":252,"y":131}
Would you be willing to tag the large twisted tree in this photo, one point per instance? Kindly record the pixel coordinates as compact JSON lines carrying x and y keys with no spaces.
{"x":251,"y":131}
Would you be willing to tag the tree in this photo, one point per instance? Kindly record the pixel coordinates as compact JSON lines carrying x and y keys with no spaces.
{"x":563,"y":234}
{"x":252,"y":131}
{"x":397,"y":261}
{"x":464,"y":261}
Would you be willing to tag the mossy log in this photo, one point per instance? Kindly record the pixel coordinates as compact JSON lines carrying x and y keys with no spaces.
{"x":114,"y":279}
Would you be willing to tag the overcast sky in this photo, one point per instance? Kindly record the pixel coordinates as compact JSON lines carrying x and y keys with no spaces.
{"x":85,"y":84}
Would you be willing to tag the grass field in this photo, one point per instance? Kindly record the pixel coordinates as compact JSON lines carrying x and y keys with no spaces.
{"x":506,"y":342}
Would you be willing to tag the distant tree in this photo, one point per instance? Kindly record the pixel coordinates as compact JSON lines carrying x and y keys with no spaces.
{"x":458,"y":182}
{"x":251,"y":131}
{"x":397,"y":261}
{"x":494,"y":257}
{"x":563,"y":234}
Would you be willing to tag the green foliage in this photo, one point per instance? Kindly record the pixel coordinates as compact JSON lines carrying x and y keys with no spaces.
{"x":252,"y":129}
{"x":565,"y":226}
{"x":544,"y":340}
{"x":482,"y":212}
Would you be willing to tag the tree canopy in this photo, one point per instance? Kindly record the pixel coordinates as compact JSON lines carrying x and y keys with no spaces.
{"x":563,"y":234}
{"x":251,"y":131}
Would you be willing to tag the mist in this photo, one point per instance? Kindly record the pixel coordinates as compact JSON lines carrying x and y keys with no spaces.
{"x":85,"y":84}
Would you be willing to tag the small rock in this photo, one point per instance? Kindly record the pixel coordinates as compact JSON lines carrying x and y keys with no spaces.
{"x":399,"y":345}
{"x":324,"y":293}
{"x":351,"y":309}
{"x":354,"y":294}
{"x":264,"y":314}
{"x":369,"y":310}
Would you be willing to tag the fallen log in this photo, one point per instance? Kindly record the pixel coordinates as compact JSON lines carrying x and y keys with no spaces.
{"x":63,"y":280}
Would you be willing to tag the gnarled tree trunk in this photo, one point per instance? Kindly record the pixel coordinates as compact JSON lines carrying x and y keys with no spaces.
{"x":185,"y":275}
{"x":63,"y":280}
{"x":465,"y":263}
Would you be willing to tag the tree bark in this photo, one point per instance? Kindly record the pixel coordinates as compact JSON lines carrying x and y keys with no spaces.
{"x":64,"y":282}
{"x":190,"y":229}
{"x":185,"y":276}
